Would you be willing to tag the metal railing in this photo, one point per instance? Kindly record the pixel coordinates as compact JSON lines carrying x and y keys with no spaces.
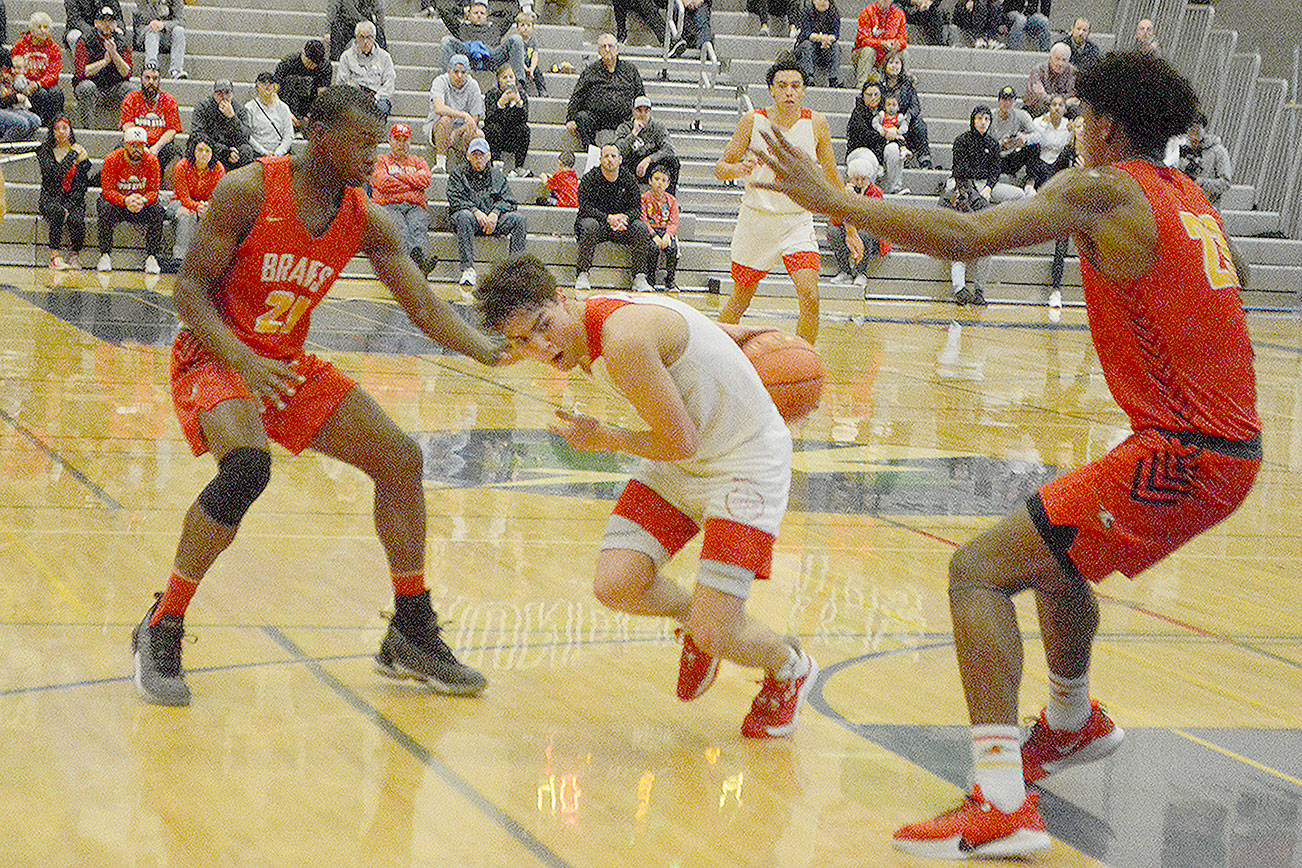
{"x":1260,"y":132}
{"x":707,"y":69}
{"x":1236,"y":107}
{"x":1188,"y":51}
{"x":1211,"y":74}
{"x":1276,"y":184}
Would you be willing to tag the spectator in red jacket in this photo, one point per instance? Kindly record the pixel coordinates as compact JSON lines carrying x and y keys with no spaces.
{"x":398,"y":184}
{"x":881,"y":34}
{"x":157,"y":113}
{"x":129,"y":184}
{"x":196,"y":177}
{"x":37,"y":58}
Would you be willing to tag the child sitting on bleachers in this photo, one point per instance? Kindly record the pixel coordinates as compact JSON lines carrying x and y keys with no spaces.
{"x":533,"y":73}
{"x":660,"y":211}
{"x":893,"y":125}
{"x":854,"y":252}
{"x":563,"y":184}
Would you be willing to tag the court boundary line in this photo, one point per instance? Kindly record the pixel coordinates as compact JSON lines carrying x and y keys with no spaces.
{"x":103,"y":496}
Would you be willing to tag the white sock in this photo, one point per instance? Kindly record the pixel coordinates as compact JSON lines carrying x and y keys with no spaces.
{"x":1069,"y":702}
{"x":794,"y":667}
{"x":997,"y":766}
{"x":957,"y":275}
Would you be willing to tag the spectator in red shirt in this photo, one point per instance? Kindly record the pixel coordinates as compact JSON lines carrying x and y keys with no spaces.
{"x":101,"y":69}
{"x":196,"y":177}
{"x":660,"y":211}
{"x":398,"y":184}
{"x":881,"y":34}
{"x":129,"y":184}
{"x":563,"y":184}
{"x":157,"y":113}
{"x":38,"y":59}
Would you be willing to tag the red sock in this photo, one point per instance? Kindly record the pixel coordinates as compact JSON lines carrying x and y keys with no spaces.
{"x":408,"y":584}
{"x":176,"y":598}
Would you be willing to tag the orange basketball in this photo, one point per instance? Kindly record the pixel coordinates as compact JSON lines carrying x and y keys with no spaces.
{"x":790,"y":369}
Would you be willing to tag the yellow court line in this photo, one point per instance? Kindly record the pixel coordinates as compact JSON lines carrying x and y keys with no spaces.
{"x":1243,"y":759}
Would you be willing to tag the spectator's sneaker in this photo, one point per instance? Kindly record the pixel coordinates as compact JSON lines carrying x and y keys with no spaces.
{"x":979,"y":297}
{"x":105,"y":264}
{"x":696,"y":669}
{"x":1055,"y":299}
{"x":151,"y":265}
{"x":978,"y":830}
{"x":764,"y":29}
{"x":428,"y":659}
{"x":678,"y":48}
{"x":178,"y":74}
{"x":57,"y":263}
{"x":962,"y":297}
{"x":773,"y":712}
{"x":1046,"y":750}
{"x":581,"y":282}
{"x":995,"y":44}
{"x":861,"y":281}
{"x":924,"y":160}
{"x":441,"y":163}
{"x":468,"y":277}
{"x":641,"y":284}
{"x":671,"y":286}
{"x":157,"y":652}
{"x":979,"y":43}
{"x":842,"y":279}
{"x":74,"y":262}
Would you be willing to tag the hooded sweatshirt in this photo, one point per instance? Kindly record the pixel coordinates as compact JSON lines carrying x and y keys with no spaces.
{"x":976,"y":155}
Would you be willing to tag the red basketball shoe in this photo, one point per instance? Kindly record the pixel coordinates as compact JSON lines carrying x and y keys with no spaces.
{"x":773,"y":713}
{"x":977,"y":829}
{"x":1047,"y":750}
{"x":696,"y":669}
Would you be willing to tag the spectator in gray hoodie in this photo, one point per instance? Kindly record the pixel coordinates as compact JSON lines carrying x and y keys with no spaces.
{"x":1204,"y":159}
{"x":644,"y":144}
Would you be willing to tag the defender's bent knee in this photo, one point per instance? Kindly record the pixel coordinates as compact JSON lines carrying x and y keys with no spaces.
{"x":242,"y":475}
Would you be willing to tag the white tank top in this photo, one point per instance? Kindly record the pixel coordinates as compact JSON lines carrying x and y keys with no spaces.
{"x":734,"y":415}
{"x":801,"y":134}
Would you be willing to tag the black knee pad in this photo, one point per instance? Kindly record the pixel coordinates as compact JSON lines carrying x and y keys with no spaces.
{"x":242,"y":474}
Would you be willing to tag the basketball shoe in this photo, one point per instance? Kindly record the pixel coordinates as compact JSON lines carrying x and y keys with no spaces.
{"x":696,"y":669}
{"x":977,"y":829}
{"x":157,"y":650}
{"x":425,"y":657}
{"x":1046,"y":750}
{"x":773,"y":712}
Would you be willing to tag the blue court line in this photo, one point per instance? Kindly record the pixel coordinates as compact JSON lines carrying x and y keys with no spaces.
{"x":54,"y":456}
{"x":449,"y":777}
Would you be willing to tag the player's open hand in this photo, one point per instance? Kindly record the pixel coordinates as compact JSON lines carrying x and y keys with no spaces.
{"x":272,"y":381}
{"x":582,"y":432}
{"x":797,"y":175}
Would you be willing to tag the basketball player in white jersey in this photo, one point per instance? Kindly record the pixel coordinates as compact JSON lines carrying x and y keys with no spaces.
{"x":718,"y":458}
{"x":771,"y":228}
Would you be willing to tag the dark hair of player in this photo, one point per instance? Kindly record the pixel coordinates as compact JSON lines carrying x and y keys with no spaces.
{"x":786,"y":62}
{"x":1144,"y":94}
{"x":520,"y":282}
{"x":332,"y":104}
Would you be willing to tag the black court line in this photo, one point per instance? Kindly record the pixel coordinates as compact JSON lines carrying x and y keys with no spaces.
{"x":103,"y":496}
{"x":409,"y":744}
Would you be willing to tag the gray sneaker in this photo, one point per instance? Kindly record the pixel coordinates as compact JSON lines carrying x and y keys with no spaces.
{"x":426,"y":659}
{"x":157,"y":648}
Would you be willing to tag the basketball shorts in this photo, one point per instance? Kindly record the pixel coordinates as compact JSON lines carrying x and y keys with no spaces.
{"x":663,"y":507}
{"x":201,"y":382}
{"x":762,"y":239}
{"x":1142,"y":501}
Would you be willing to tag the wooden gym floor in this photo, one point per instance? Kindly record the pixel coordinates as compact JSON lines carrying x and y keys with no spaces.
{"x":295,"y":752}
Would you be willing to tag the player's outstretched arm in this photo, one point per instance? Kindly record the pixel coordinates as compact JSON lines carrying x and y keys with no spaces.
{"x":737,"y":160}
{"x":431,"y":314}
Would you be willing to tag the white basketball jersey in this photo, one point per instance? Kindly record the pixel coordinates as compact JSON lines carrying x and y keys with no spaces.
{"x":801,"y":135}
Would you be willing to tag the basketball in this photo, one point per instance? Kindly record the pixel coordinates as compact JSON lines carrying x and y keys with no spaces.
{"x":790,"y":369}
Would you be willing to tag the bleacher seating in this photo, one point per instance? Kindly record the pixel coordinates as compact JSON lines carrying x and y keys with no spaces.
{"x":243,"y":37}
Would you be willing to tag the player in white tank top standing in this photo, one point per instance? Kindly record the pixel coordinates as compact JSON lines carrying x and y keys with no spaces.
{"x":770,"y":227}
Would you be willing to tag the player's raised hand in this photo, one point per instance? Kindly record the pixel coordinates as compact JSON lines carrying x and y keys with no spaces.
{"x":581,"y":432}
{"x":272,"y":381}
{"x":797,"y":175}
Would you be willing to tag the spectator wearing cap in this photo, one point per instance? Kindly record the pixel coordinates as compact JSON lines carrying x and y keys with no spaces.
{"x":37,"y":58}
{"x":644,"y":145}
{"x":129,"y":183}
{"x":1055,"y":76}
{"x":79,"y":19}
{"x":157,"y":113}
{"x":610,"y":209}
{"x":398,"y":184}
{"x":485,"y":39}
{"x":271,"y":124}
{"x":225,"y":123}
{"x":101,"y":70}
{"x":480,"y":203}
{"x":196,"y":177}
{"x":160,"y":24}
{"x":456,"y":110}
{"x":368,"y":66}
{"x":506,"y":121}
{"x":603,"y":96}
{"x":1019,"y":145}
{"x":301,"y":76}
{"x":343,"y":16}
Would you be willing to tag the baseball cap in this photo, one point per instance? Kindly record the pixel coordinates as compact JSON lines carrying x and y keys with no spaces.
{"x":1008,"y":93}
{"x":265,"y":76}
{"x":642,"y":102}
{"x":135,"y":134}
{"x":107,"y":12}
{"x":459,"y":60}
{"x":400,"y":131}
{"x":314,"y":50}
{"x":480,"y":144}
{"x":222,"y":84}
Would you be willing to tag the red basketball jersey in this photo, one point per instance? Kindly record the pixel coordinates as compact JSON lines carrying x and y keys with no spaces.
{"x":1174,"y":344}
{"x":281,"y":272}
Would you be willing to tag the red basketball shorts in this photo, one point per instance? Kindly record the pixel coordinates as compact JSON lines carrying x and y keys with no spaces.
{"x":201,"y":382}
{"x":1142,"y":501}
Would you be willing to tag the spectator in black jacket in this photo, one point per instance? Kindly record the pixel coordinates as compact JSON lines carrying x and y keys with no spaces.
{"x":225,"y":123}
{"x":65,"y":175}
{"x":610,"y":209}
{"x":477,"y":34}
{"x":1084,"y":53}
{"x":101,"y":70}
{"x":301,"y":77}
{"x":343,"y":16}
{"x":818,"y":47}
{"x":603,"y":96}
{"x":506,"y":121}
{"x":975,"y":172}
{"x":899,"y":84}
{"x":79,"y":19}
{"x":480,"y":203}
{"x":862,"y":141}
{"x":1028,"y":24}
{"x":644,"y":145}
